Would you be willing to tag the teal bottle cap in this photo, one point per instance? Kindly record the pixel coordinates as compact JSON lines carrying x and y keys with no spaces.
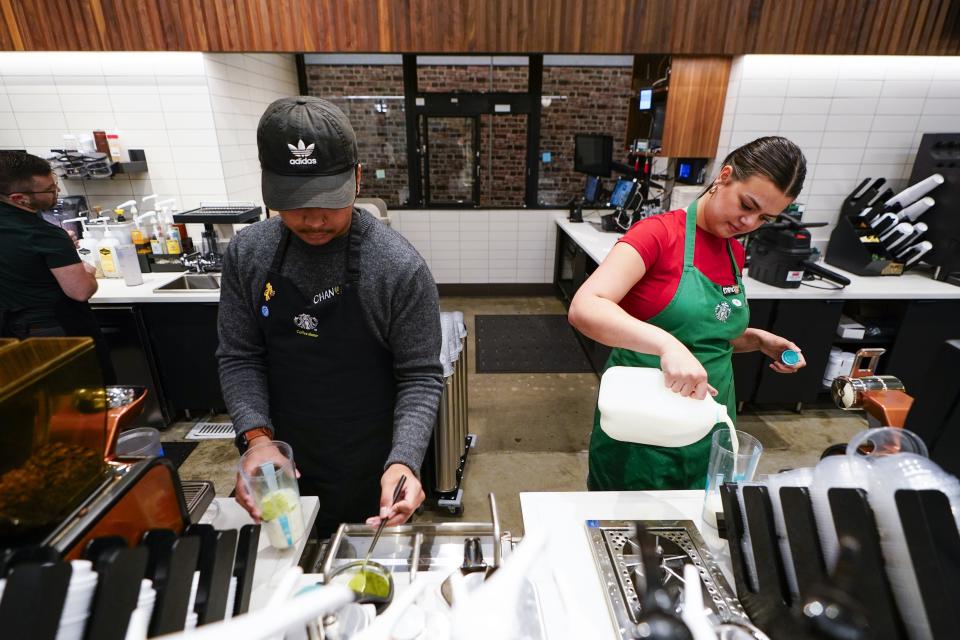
{"x":790,"y":357}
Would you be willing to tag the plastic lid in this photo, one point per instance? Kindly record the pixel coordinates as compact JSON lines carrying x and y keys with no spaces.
{"x":790,"y":357}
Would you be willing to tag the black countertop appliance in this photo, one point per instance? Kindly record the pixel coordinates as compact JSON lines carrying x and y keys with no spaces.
{"x":781,"y":254}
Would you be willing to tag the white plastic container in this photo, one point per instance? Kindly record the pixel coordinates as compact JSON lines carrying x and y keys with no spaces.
{"x":636,"y":406}
{"x":129,"y":265}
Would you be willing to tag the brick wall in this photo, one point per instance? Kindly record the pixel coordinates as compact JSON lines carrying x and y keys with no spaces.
{"x":597,"y":101}
{"x":592,"y":100}
{"x":381,"y":137}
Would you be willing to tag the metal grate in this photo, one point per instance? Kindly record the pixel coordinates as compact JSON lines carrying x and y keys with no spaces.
{"x":211,"y":431}
{"x":617,"y":558}
{"x":220,"y":214}
{"x":198,"y":494}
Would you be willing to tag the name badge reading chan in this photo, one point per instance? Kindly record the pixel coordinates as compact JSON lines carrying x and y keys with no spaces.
{"x":732,"y":290}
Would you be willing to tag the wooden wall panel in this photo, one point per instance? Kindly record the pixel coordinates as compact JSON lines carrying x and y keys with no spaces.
{"x":698,"y":88}
{"x":693,"y":27}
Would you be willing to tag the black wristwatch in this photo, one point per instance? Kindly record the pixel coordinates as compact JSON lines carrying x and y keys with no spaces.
{"x":243,"y":438}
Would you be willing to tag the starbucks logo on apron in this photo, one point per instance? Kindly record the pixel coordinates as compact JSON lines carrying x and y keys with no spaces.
{"x":722,"y":311}
{"x":305,"y":322}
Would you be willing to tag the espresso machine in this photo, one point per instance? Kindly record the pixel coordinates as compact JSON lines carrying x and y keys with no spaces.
{"x":88,"y":537}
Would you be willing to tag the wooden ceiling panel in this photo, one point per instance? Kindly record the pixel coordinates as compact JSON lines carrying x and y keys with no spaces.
{"x":701,"y":27}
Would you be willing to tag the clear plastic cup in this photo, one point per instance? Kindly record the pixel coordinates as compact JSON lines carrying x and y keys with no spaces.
{"x":139,"y":443}
{"x":269,"y":475}
{"x":885,"y":441}
{"x":725,"y":466}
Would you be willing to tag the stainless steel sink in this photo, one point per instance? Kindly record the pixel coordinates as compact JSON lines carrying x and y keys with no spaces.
{"x":191,"y":282}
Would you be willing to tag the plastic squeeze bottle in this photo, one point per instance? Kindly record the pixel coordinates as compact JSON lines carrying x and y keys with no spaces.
{"x":107,"y":251}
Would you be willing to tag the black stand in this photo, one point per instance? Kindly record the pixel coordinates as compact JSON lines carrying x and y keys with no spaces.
{"x":932,"y":539}
{"x":864,"y":259}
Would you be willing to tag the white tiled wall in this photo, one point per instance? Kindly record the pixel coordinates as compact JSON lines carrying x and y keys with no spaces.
{"x":483,"y":246}
{"x":241,"y":86}
{"x":193,"y":114}
{"x":853,"y":116}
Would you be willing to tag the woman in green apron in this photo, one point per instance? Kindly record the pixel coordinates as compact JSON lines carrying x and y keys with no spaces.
{"x":670,"y":295}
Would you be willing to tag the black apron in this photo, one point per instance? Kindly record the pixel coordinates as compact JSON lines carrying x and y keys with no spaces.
{"x":332,"y":389}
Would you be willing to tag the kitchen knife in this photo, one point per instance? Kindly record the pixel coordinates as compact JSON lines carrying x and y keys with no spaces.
{"x":914,"y":253}
{"x":897,"y":235}
{"x":918,"y":230}
{"x":914,"y":211}
{"x":916,"y":191}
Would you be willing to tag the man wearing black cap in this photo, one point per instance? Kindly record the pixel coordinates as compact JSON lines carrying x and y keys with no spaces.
{"x":329,"y":327}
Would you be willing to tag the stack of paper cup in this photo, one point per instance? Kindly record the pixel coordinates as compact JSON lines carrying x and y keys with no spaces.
{"x":140,"y":618}
{"x":746,"y":543}
{"x":231,"y":596}
{"x":191,"y":620}
{"x":76,"y":608}
{"x":834,"y":472}
{"x":838,"y":364}
{"x":796,"y":478}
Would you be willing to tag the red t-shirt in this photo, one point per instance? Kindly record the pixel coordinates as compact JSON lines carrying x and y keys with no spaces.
{"x":659,"y":241}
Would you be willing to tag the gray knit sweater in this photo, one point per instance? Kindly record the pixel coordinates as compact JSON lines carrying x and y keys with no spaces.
{"x":400,"y":305}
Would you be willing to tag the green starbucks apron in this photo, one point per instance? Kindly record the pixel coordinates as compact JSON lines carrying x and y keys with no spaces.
{"x":705,"y":317}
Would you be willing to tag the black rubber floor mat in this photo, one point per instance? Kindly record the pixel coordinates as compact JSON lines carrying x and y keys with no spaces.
{"x":528,"y":344}
{"x":177,"y":452}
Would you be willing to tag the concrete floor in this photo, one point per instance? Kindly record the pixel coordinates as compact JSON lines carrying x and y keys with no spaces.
{"x":533,"y":429}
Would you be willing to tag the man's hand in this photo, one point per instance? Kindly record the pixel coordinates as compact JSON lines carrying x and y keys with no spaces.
{"x":411,"y":497}
{"x":251,"y":463}
{"x":89,"y":268}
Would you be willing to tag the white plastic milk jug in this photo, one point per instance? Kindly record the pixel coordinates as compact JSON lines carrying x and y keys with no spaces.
{"x":636,"y":406}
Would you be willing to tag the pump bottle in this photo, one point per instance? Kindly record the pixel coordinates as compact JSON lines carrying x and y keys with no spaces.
{"x":107,"y":251}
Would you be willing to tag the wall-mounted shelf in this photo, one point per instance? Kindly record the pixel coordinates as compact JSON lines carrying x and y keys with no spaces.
{"x":118,"y":168}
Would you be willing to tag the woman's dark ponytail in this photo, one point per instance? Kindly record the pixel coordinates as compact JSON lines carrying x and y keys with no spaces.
{"x":775,"y":157}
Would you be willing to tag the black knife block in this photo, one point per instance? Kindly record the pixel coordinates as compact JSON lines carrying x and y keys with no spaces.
{"x":932,"y":538}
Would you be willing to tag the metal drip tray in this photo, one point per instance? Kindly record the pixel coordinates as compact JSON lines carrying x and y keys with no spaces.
{"x":618,"y":560}
{"x":198,"y":494}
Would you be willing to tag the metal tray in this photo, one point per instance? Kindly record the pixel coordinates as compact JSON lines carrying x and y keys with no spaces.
{"x":410,"y":548}
{"x":616,"y":555}
{"x":220,"y":214}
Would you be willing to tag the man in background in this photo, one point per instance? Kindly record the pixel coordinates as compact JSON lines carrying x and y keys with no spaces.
{"x":44,"y":286}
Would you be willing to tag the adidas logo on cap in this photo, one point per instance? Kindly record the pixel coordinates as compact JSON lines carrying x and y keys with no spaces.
{"x":301,"y":153}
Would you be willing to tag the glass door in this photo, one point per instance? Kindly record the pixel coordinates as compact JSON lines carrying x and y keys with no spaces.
{"x":450,"y":152}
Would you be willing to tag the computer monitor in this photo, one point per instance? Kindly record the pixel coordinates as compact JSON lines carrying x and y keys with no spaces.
{"x":622,"y":192}
{"x":645,"y":99}
{"x":593,"y":154}
{"x":591,"y":190}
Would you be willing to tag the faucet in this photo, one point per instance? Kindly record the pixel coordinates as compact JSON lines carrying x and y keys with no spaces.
{"x":198,"y":263}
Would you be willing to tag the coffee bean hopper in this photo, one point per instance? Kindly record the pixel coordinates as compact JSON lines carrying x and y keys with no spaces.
{"x":61,"y":484}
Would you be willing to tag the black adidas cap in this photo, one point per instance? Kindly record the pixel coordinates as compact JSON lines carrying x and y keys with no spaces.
{"x":308,"y":155}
